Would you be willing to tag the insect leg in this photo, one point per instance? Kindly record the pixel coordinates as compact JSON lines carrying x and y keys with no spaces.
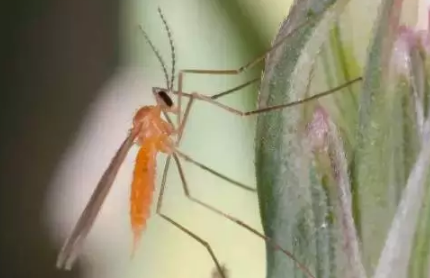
{"x":212,"y":100}
{"x":181,"y":227}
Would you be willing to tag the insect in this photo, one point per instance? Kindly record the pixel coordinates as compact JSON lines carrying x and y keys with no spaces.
{"x":154,"y":134}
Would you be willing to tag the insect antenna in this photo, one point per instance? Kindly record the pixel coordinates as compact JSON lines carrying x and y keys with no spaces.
{"x":160,"y":59}
{"x":172,"y":47}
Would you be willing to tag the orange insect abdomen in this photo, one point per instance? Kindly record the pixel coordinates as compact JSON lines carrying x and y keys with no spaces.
{"x":142,"y":189}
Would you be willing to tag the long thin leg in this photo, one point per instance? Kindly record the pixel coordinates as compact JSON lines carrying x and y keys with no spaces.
{"x":212,"y":100}
{"x":183,"y":228}
{"x":215,"y":272}
{"x":231,"y":218}
{"x":235,"y":89}
{"x":247,"y":66}
{"x":213,"y":172}
{"x":274,"y":107}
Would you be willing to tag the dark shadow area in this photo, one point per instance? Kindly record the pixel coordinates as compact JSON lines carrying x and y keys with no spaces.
{"x":55,"y":56}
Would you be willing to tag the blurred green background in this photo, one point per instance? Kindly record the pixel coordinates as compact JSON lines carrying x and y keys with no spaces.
{"x":75,"y":72}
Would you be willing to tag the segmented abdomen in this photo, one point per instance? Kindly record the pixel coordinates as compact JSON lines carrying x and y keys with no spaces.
{"x":142,"y":189}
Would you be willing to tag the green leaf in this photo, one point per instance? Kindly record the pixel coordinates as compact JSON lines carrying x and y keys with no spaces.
{"x":298,"y":204}
{"x":420,"y":255}
{"x":386,"y":138}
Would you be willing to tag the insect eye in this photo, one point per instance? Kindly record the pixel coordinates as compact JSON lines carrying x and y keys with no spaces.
{"x":166,"y":99}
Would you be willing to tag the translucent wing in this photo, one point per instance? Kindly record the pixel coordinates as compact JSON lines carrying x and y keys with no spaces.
{"x":73,"y":244}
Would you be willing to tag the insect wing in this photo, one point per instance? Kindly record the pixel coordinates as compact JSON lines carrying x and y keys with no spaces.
{"x":73,"y":244}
